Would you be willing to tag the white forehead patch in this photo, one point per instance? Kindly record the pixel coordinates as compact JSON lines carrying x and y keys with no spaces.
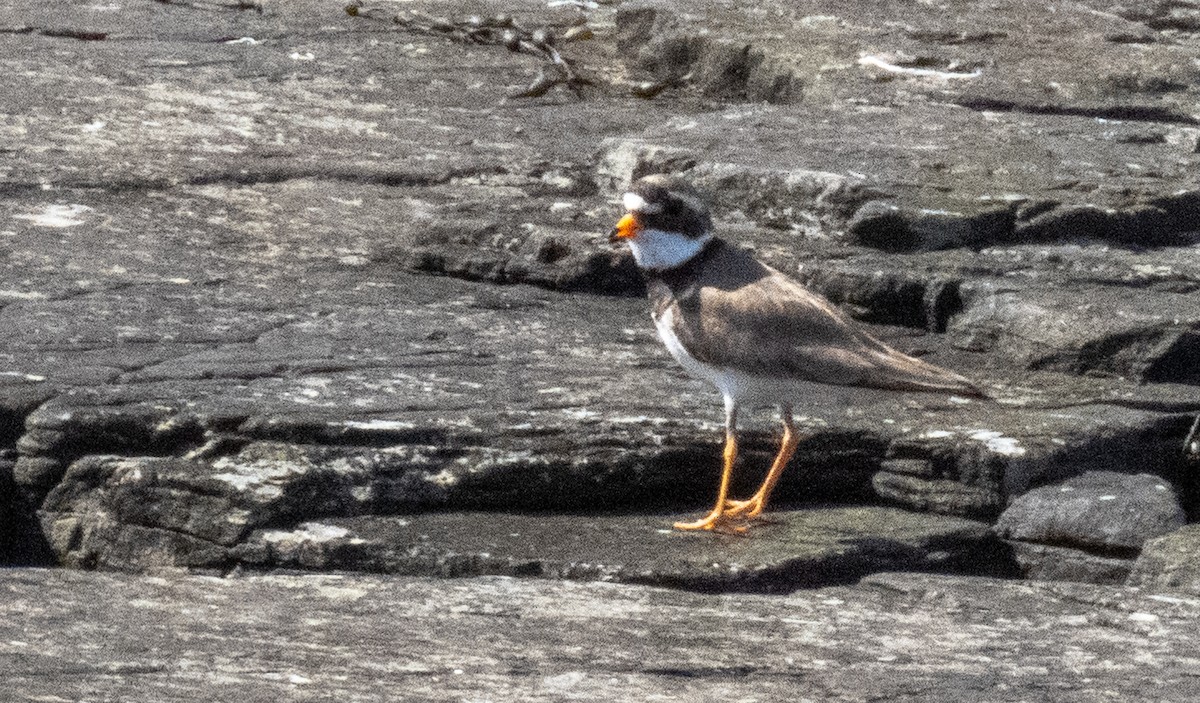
{"x":636,"y":203}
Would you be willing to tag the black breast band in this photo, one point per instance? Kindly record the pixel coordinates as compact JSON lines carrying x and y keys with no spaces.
{"x":679,"y":277}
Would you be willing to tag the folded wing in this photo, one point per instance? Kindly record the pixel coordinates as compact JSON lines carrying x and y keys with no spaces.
{"x":758,"y":320}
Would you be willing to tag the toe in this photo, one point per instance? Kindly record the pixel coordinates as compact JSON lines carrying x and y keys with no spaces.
{"x":707,"y":523}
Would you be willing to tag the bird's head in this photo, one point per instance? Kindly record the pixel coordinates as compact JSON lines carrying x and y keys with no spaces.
{"x":666,"y":222}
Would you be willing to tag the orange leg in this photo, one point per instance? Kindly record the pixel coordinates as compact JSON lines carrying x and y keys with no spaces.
{"x":716,"y":518}
{"x":758,"y":502}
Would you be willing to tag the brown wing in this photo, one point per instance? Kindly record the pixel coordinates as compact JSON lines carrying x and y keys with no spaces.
{"x":752,"y":317}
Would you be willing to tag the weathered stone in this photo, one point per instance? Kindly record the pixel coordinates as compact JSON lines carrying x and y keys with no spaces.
{"x":796,"y":549}
{"x":47,"y":449}
{"x":720,"y":68}
{"x":884,"y":297}
{"x":442,"y":428}
{"x":950,"y":201}
{"x":207,"y":505}
{"x":219,"y":259}
{"x":1171,"y":561}
{"x":294,"y":638}
{"x":887,"y":227}
{"x":1042,"y":327}
{"x":560,"y":260}
{"x":1139,"y":226}
{"x":881,"y":225}
{"x":938,"y":495}
{"x":1102,"y":511}
{"x":1043,"y":562}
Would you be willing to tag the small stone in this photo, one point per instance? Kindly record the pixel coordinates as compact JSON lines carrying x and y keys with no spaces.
{"x":1104,"y":511}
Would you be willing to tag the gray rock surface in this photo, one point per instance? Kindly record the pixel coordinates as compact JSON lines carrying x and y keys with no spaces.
{"x":1045,"y":562}
{"x":795,"y":549}
{"x":1100,"y":518}
{"x":1170,"y":562}
{"x":1099,"y":510}
{"x":364,"y":638}
{"x":265,"y":269}
{"x":288,"y":289}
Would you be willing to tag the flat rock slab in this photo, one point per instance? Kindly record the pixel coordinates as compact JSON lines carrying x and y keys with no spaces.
{"x":386,"y":393}
{"x":67,"y":635}
{"x":1091,"y":526}
{"x":214,"y":329}
{"x":789,"y":550}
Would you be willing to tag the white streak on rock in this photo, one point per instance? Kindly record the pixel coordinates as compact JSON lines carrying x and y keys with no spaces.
{"x":998,"y":443}
{"x":308,"y":532}
{"x":56,"y":216}
{"x":877,"y":62}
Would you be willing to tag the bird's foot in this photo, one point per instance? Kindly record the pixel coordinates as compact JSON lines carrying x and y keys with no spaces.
{"x":716,"y":521}
{"x":745,"y":509}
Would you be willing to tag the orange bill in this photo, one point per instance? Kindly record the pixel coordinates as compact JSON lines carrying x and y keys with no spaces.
{"x":627,"y":228}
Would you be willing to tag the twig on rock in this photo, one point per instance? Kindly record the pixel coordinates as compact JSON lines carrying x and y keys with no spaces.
{"x":499,"y":30}
{"x":651,"y":89}
{"x":578,"y":33}
{"x":547,"y":78}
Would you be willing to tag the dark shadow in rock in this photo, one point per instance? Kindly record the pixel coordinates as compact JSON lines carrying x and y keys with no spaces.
{"x":1180,"y":363}
{"x":21,"y":539}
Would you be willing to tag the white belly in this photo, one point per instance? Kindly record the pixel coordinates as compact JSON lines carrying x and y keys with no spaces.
{"x":713,"y":374}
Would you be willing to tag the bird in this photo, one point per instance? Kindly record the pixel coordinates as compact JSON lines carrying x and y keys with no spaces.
{"x":758,"y":336}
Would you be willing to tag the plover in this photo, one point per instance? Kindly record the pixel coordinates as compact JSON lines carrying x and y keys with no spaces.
{"x":760,"y":337}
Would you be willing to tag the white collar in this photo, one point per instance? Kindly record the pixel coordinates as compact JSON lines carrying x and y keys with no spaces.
{"x":656,"y":249}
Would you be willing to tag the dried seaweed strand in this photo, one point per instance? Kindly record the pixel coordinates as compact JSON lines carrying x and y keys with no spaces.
{"x":497,"y":30}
